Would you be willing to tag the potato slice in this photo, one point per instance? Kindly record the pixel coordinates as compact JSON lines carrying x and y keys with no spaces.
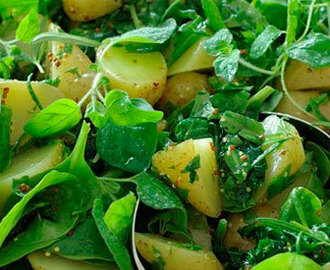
{"x":70,"y":65}
{"x":16,"y":96}
{"x":31,"y":162}
{"x":236,"y":222}
{"x":86,"y":10}
{"x":203,"y":189}
{"x":141,"y":75}
{"x":39,"y":261}
{"x":289,"y":154}
{"x":182,"y":88}
{"x":302,"y":98}
{"x":173,"y":255}
{"x":195,"y":58}
{"x":299,"y":76}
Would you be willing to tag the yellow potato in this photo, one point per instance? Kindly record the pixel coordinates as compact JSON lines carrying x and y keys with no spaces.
{"x":70,"y":65}
{"x":141,"y":75}
{"x":86,"y":10}
{"x":16,"y":96}
{"x":302,"y":98}
{"x":236,"y":221}
{"x":31,"y":162}
{"x":39,"y":261}
{"x":175,"y":256}
{"x":195,"y":58}
{"x":203,"y":190}
{"x":299,"y":76}
{"x":289,"y":154}
{"x":182,"y":88}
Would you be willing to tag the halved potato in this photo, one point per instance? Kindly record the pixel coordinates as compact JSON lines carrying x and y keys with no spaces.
{"x":16,"y":96}
{"x":141,"y":75}
{"x":202,"y":182}
{"x":290,"y":155}
{"x":30,"y":163}
{"x":86,"y":10}
{"x":195,"y":58}
{"x":70,"y":65}
{"x":182,"y":88}
{"x":174,"y":255}
{"x":40,"y":261}
{"x":236,"y":222}
{"x":299,"y":76}
{"x":302,"y":98}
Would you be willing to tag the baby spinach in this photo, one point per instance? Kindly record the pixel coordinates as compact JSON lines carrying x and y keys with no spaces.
{"x":5,"y":149}
{"x":114,"y":244}
{"x":29,"y":26}
{"x":212,"y":13}
{"x":234,"y":101}
{"x":60,"y":116}
{"x":302,"y":206}
{"x":192,"y":128}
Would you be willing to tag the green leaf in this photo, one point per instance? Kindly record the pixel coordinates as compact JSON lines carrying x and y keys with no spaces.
{"x":202,"y":105}
{"x":246,"y":127}
{"x":191,"y":168}
{"x":60,"y":116}
{"x":212,"y":13}
{"x":264,"y":40}
{"x":234,"y":101}
{"x":119,"y":216}
{"x":292,"y":21}
{"x":238,"y":167}
{"x":125,"y":112}
{"x":312,"y":50}
{"x":127,"y":147}
{"x":226,"y":66}
{"x":29,"y":27}
{"x":114,"y":244}
{"x":192,"y":128}
{"x":17,"y":212}
{"x":5,"y":149}
{"x":96,"y":112}
{"x":220,"y":43}
{"x":302,"y":206}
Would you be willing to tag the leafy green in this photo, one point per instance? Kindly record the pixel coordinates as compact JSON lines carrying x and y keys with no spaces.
{"x":96,"y":112}
{"x":60,"y":116}
{"x":114,"y":244}
{"x":122,"y":111}
{"x":302,"y":206}
{"x":234,"y":101}
{"x":202,"y":105}
{"x":219,"y":43}
{"x":29,"y":27}
{"x":191,"y":168}
{"x":264,"y":40}
{"x":292,"y":21}
{"x":313,"y":50}
{"x":226,"y":66}
{"x":5,"y":149}
{"x":192,"y":128}
{"x":212,"y":13}
{"x":118,"y":217}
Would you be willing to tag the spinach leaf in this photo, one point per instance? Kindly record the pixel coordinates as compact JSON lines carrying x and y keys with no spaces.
{"x":292,"y":21}
{"x":84,"y":242}
{"x":219,"y":43}
{"x":212,"y":13}
{"x":246,"y":127}
{"x":29,"y":27}
{"x":313,"y":50}
{"x":96,"y":112}
{"x":119,"y":216}
{"x":264,"y":40}
{"x":123,"y":111}
{"x":202,"y":105}
{"x":179,"y":12}
{"x":191,"y":168}
{"x":146,"y":39}
{"x":127,"y":147}
{"x":275,"y":13}
{"x":302,"y":206}
{"x":234,"y":101}
{"x":60,"y":116}
{"x":238,"y":166}
{"x":114,"y":244}
{"x":192,"y":128}
{"x":226,"y":66}
{"x":5,"y":149}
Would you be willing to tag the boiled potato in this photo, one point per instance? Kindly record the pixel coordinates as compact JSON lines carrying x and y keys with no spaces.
{"x":86,"y":10}
{"x":70,"y":65}
{"x":141,"y":75}
{"x":203,"y":189}
{"x":289,"y":154}
{"x":16,"y":96}
{"x":182,"y":88}
{"x":195,"y":58}
{"x":302,"y":98}
{"x":299,"y":76}
{"x":175,"y":256}
{"x":236,"y":222}
{"x":40,"y":261}
{"x":31,"y":162}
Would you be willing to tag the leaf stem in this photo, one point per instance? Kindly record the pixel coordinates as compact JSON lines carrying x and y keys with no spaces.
{"x":309,"y":20}
{"x":92,"y":90}
{"x":32,"y":93}
{"x":255,"y":68}
{"x":136,"y":20}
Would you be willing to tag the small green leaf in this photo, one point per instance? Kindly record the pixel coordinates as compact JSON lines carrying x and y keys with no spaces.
{"x":29,"y":27}
{"x":212,"y":12}
{"x":58,"y":117}
{"x":5,"y":150}
{"x":191,"y":168}
{"x":264,"y":40}
{"x":96,"y":112}
{"x":220,"y":43}
{"x":226,"y":66}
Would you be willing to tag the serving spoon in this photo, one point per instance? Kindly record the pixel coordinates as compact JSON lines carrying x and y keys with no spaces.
{"x":308,"y":130}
